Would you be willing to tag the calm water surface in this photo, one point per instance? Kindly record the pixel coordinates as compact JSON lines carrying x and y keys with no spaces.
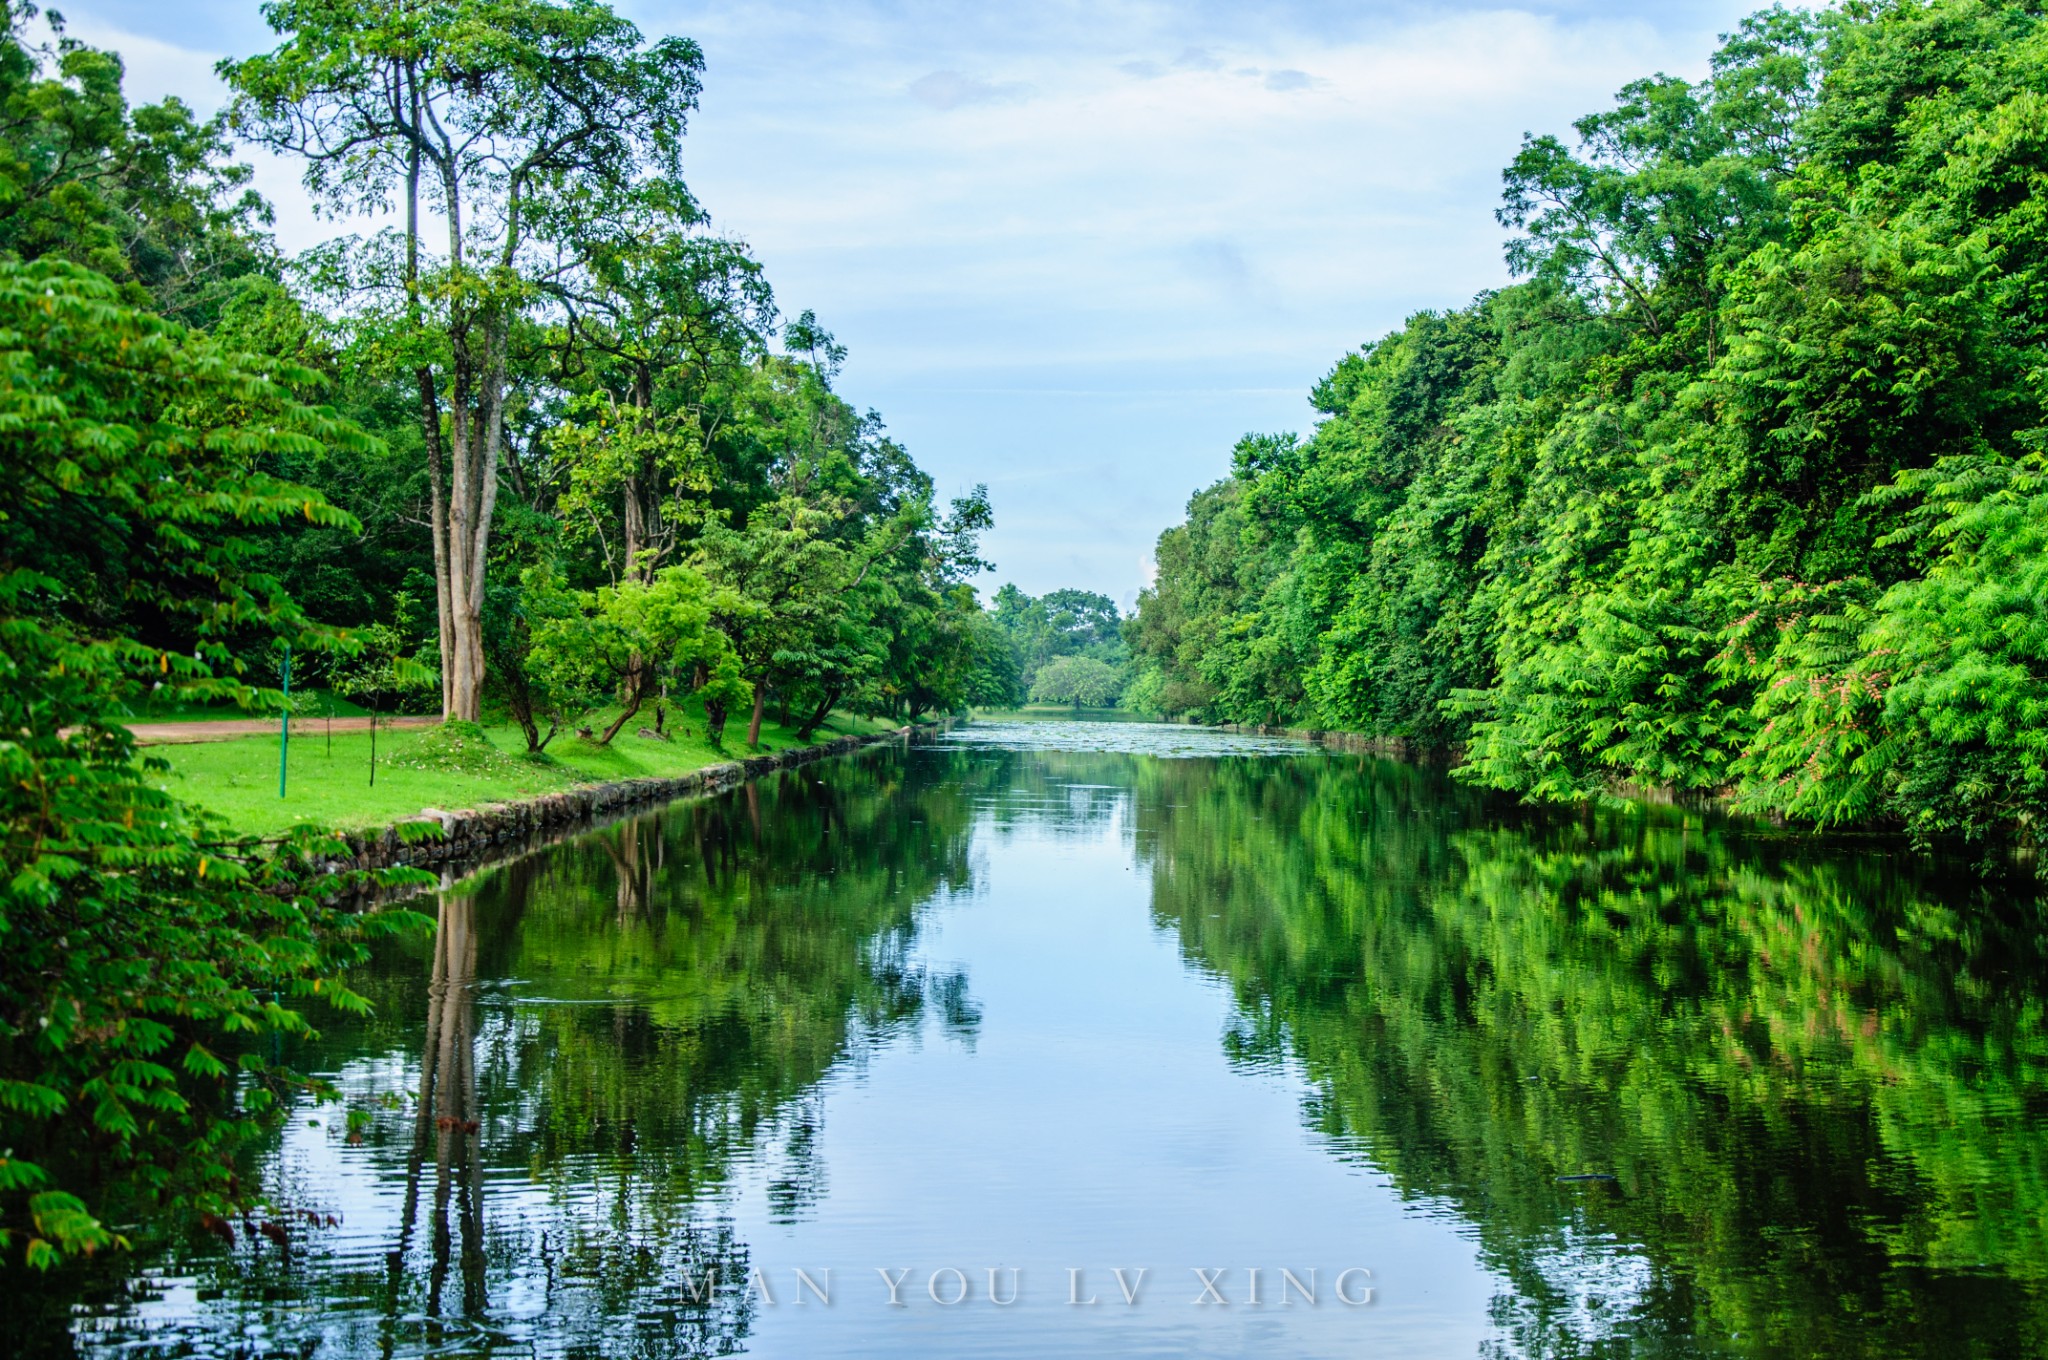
{"x":1048,"y":997}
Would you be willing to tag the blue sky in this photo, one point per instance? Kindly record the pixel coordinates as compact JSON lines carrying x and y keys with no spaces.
{"x":1076,"y":250}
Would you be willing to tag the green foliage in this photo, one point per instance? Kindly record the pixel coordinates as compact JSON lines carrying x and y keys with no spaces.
{"x":143,"y":195}
{"x":141,"y":952}
{"x":1933,"y":697}
{"x":1728,"y":495}
{"x":584,"y":380}
{"x":633,"y":639}
{"x":377,"y":673}
{"x":549,"y":138}
{"x":1081,"y":681}
{"x":1060,"y":623}
{"x":837,"y":573}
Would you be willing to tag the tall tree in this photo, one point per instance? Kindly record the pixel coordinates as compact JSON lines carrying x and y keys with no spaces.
{"x":537,"y":132}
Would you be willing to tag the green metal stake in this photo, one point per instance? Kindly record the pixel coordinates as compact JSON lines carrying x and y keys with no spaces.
{"x":284,"y":722}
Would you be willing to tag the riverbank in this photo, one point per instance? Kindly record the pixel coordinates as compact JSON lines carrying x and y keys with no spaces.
{"x":1721,"y":801}
{"x":473,"y":837}
{"x":1393,"y":748}
{"x":1443,"y":757}
{"x":1062,"y":711}
{"x":328,"y":781}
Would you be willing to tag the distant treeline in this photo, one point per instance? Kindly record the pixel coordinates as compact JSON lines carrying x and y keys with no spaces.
{"x":1739,"y":488}
{"x":1065,"y":647}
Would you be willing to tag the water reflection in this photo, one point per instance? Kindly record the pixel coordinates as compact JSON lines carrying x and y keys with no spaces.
{"x":606,"y":1033}
{"x":1656,"y":1085}
{"x":1806,"y":1082}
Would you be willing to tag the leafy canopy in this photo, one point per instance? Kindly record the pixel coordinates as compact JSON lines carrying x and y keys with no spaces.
{"x":140,"y":950}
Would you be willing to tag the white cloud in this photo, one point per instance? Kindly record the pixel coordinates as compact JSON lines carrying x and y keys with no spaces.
{"x":1073,"y":251}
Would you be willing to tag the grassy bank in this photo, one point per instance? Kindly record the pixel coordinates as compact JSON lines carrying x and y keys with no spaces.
{"x":439,"y":767}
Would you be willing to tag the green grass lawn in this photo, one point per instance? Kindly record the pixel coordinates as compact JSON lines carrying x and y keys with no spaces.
{"x":421,"y":767}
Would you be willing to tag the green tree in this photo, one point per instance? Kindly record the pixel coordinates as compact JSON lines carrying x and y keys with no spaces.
{"x":627,"y":643}
{"x":537,"y":131}
{"x":1059,"y":623}
{"x":1681,"y":508}
{"x":658,"y":337}
{"x":142,"y":951}
{"x":783,"y":597}
{"x":381,"y":670}
{"x":1079,"y":680}
{"x":146,"y":196}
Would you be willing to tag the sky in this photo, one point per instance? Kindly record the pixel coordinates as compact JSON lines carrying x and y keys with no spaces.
{"x":1076,"y":250}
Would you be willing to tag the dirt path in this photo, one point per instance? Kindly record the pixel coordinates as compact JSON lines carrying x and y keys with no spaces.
{"x":167,"y":733}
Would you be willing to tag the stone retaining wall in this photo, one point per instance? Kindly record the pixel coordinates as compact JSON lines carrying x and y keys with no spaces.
{"x":474,"y":835}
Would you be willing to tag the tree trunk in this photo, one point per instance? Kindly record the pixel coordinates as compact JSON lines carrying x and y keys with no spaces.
{"x":430,"y":418}
{"x":636,"y":515}
{"x":463,"y":510}
{"x":634,"y":529}
{"x":818,"y":715}
{"x":519,"y":698}
{"x":760,"y":703}
{"x":444,"y":595}
{"x":462,"y":514}
{"x":632,"y":707}
{"x":522,"y":713}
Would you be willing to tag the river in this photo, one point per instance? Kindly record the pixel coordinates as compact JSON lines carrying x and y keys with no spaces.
{"x":1052,"y":1038}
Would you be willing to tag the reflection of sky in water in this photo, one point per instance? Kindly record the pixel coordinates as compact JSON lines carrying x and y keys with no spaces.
{"x":1118,"y":1027}
{"x":1095,"y":1124}
{"x":1086,"y":1117}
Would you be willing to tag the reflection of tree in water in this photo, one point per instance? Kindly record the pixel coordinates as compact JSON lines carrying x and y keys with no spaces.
{"x":1816,"y":1076}
{"x":445,"y":1115}
{"x":606,"y":1032}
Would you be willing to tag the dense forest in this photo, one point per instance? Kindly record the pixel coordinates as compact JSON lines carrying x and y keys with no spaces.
{"x":529,"y":436}
{"x":1065,"y":647}
{"x":1738,"y":489}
